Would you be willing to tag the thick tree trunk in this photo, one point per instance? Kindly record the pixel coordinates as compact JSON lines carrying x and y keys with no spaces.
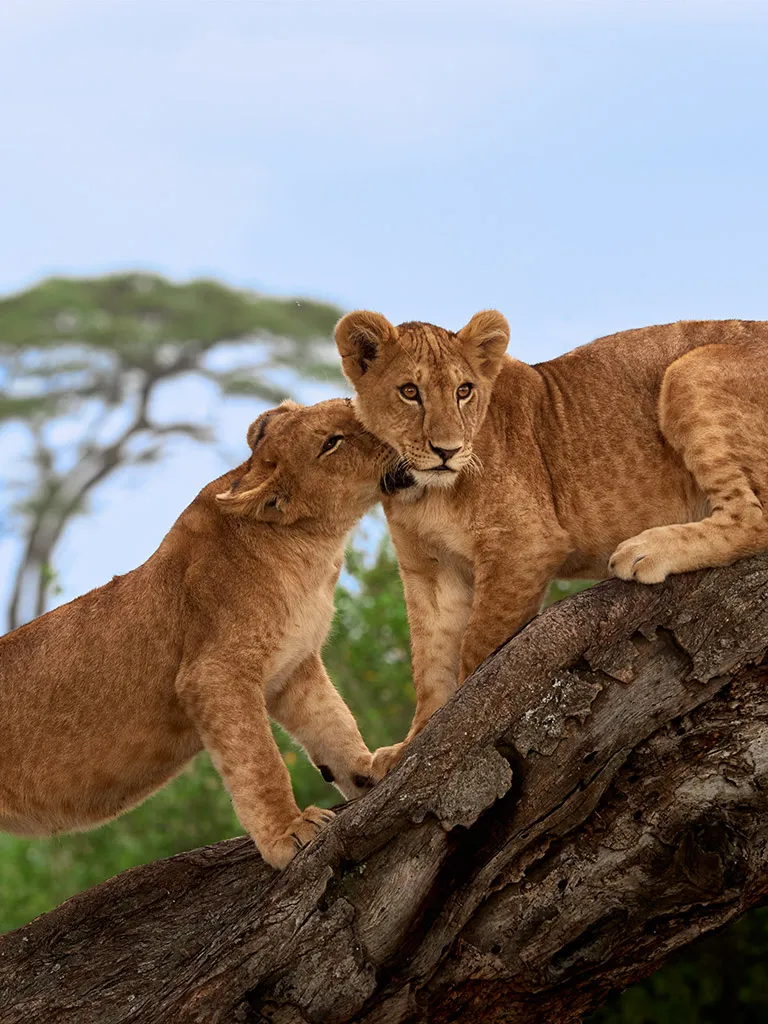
{"x":594,"y":798}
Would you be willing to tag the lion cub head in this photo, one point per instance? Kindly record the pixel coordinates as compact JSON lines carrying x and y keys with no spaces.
{"x":309,"y":462}
{"x":422,"y":389}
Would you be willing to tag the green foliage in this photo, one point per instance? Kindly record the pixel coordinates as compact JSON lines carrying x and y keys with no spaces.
{"x":69,"y":340}
{"x":23,"y":407}
{"x":723,"y":977}
{"x":39,"y":874}
{"x":195,"y":809}
{"x":368,"y":654}
{"x":135,"y":314}
{"x":560,"y":589}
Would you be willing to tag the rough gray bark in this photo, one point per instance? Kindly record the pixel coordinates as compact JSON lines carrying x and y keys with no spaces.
{"x":595,"y":797}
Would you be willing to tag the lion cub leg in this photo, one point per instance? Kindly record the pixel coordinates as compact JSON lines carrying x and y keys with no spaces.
{"x":439,"y":603}
{"x":312,"y":710}
{"x":226,"y":702}
{"x":713,"y":409}
{"x":512,"y":572}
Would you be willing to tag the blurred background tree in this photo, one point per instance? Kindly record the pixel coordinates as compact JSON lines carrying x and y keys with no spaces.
{"x":90,"y":355}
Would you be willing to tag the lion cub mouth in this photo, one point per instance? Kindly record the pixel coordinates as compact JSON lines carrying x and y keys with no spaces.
{"x":404,"y":478}
{"x":397,"y":479}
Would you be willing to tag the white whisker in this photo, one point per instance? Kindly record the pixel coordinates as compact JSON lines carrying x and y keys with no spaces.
{"x":474,"y":465}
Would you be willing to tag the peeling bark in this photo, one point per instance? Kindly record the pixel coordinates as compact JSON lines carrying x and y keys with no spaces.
{"x":594,"y":798}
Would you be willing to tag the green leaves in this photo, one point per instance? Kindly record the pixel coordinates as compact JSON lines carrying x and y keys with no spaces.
{"x":23,"y":407}
{"x":368,"y":652}
{"x":67,"y":340}
{"x":239,"y":383}
{"x":134,"y":315}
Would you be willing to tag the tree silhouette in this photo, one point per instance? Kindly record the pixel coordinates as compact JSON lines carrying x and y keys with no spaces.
{"x":89,"y":355}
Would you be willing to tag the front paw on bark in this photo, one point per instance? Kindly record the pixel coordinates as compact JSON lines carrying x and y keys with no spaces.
{"x":302,"y":830}
{"x":356,"y":779}
{"x":362,"y":774}
{"x":362,"y":778}
{"x":649,"y":557}
{"x":385,"y":759}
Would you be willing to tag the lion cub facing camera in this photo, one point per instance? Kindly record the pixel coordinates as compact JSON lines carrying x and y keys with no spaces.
{"x":640,"y":454}
{"x":106,"y":698}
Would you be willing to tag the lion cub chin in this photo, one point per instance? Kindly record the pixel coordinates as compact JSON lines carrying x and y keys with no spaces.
{"x":106,"y":698}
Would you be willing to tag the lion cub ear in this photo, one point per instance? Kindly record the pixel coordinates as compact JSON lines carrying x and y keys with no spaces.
{"x":242,"y":499}
{"x":258,"y":427}
{"x":359,"y":338}
{"x":487,"y":333}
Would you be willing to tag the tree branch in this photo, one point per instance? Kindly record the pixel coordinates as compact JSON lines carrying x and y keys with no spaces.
{"x":66,"y":494}
{"x":595,"y":797}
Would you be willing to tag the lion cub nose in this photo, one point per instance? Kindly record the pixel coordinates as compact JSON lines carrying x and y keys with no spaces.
{"x":444,"y":453}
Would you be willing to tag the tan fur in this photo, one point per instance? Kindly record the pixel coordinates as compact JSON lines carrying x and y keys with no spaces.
{"x":106,"y":698}
{"x":642,"y":454}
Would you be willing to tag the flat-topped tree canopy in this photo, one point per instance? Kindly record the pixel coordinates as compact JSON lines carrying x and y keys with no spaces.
{"x":96,"y":350}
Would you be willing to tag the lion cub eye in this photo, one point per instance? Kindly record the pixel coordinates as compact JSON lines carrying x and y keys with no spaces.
{"x":331,"y":444}
{"x":464,"y":390}
{"x":410,"y":392}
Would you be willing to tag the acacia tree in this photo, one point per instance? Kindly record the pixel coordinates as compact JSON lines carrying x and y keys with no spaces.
{"x":90,"y":354}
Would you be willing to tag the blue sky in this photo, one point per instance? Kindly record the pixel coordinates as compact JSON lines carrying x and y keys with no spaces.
{"x":584,"y":166}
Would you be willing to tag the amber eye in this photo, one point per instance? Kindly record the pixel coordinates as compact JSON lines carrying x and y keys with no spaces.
{"x":464,"y":390}
{"x":331,"y":443}
{"x":410,"y":392}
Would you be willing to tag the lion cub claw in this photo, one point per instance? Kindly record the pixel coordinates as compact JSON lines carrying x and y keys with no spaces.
{"x":299,"y":834}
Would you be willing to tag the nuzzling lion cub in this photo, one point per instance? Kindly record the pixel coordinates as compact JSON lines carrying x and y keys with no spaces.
{"x":106,"y":698}
{"x":641,"y":454}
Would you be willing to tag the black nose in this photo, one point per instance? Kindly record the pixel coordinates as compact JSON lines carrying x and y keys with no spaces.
{"x":444,"y":453}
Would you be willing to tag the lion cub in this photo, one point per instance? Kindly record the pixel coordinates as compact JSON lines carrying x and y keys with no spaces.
{"x":106,"y":698}
{"x":641,"y":454}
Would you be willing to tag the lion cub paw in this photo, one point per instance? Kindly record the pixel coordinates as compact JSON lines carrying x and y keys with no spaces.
{"x":648,"y":558}
{"x":299,"y":834}
{"x":357,"y":778}
{"x":362,"y":778}
{"x":385,"y":759}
